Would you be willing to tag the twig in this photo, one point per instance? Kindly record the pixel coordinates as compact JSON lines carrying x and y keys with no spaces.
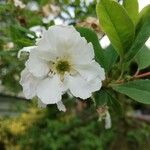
{"x":136,"y":76}
{"x":141,"y":75}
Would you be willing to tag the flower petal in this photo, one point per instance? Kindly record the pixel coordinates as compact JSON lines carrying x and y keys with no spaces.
{"x":25,"y":49}
{"x":90,"y":71}
{"x":50,"y":90}
{"x":95,"y":84}
{"x":65,"y":41}
{"x":37,"y":66}
{"x":29,"y":83}
{"x":82,"y":88}
{"x":107,"y":121}
{"x":61,"y":106}
{"x":82,"y":52}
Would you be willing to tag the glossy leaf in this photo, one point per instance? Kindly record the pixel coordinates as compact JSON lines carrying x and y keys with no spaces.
{"x":115,"y":22}
{"x":132,"y":8}
{"x":142,"y":33}
{"x":101,"y":98}
{"x":143,"y":58}
{"x":110,"y":57}
{"x":138,"y":90}
{"x":19,"y":35}
{"x":114,"y":103}
{"x":104,"y":97}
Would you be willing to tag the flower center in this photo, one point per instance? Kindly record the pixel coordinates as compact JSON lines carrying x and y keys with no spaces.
{"x":62,"y":66}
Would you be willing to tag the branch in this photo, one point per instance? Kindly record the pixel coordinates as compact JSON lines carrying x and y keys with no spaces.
{"x":136,"y":76}
{"x":141,"y":75}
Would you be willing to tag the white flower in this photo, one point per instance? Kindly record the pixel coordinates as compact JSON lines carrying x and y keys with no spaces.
{"x":107,"y":120}
{"x":32,"y":6}
{"x":38,"y":30}
{"x":61,"y":106}
{"x":48,"y":18}
{"x":19,"y":3}
{"x":62,"y":61}
{"x":25,"y":49}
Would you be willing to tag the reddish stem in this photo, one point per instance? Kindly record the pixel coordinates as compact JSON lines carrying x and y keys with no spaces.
{"x":141,"y":75}
{"x":135,"y":77}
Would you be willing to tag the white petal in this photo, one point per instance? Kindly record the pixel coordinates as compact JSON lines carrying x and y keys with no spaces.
{"x":37,"y":66}
{"x":19,"y":3}
{"x":91,"y":71}
{"x":107,"y":121}
{"x":29,"y":83}
{"x":82,"y":52}
{"x":50,"y":90}
{"x":25,"y":49}
{"x":47,"y":42}
{"x":95,"y":84}
{"x":61,"y":106}
{"x":54,"y":39}
{"x":73,"y":44}
{"x":46,"y":55}
{"x":38,"y":30}
{"x":82,"y":88}
{"x":60,"y":41}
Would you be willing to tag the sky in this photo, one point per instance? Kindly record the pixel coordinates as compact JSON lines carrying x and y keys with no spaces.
{"x":143,"y":3}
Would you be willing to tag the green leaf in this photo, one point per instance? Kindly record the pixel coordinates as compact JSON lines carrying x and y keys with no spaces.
{"x":142,"y":33}
{"x":19,"y":35}
{"x":132,"y":8}
{"x":138,"y":90}
{"x":143,"y":58}
{"x":114,"y":103}
{"x":5,"y":7}
{"x":5,"y":53}
{"x":115,"y":22}
{"x":105,"y":97}
{"x":110,"y":57}
{"x":22,"y":29}
{"x":101,"y":98}
{"x":91,"y":36}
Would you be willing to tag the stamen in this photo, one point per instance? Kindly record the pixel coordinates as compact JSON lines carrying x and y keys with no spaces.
{"x":62,"y":67}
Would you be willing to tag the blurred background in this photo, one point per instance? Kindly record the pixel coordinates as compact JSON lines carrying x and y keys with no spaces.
{"x":24,"y":126}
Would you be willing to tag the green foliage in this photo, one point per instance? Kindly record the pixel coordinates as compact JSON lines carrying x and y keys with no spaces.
{"x":19,"y":36}
{"x":110,"y":57}
{"x":116,"y":24}
{"x":101,"y":98}
{"x":142,"y":32}
{"x":128,"y":31}
{"x":5,"y":7}
{"x":132,"y":9}
{"x":107,"y":98}
{"x":49,"y":129}
{"x":142,"y":58}
{"x":138,"y":90}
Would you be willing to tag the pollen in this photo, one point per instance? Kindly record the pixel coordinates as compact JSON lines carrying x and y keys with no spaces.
{"x":62,"y":66}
